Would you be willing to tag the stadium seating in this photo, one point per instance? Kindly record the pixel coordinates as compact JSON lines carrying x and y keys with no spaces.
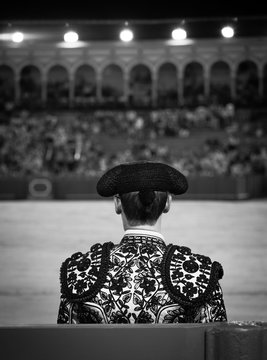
{"x":61,"y":155}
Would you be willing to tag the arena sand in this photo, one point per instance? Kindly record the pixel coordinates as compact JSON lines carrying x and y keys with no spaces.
{"x":36,"y":236}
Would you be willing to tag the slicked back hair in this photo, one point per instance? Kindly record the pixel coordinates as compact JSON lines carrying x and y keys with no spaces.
{"x":142,"y":208}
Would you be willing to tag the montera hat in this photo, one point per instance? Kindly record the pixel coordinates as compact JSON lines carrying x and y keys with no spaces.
{"x":141,"y":176}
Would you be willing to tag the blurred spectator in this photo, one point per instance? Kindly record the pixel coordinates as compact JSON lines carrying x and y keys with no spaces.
{"x":46,"y":144}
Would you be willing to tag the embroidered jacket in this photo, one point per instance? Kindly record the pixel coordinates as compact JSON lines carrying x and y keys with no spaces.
{"x":140,"y":280}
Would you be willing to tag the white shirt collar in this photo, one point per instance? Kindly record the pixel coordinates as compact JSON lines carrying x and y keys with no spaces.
{"x":151,"y":233}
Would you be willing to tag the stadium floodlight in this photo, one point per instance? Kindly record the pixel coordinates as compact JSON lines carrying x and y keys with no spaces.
{"x":227,"y":31}
{"x":179,"y":34}
{"x":17,"y":37}
{"x":126,"y":35}
{"x":71,"y":37}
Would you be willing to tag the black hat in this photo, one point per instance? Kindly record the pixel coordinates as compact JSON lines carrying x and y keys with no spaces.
{"x":139,"y":176}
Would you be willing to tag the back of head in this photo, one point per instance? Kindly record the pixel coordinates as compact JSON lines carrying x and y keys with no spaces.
{"x":143,"y":187}
{"x":143,"y":207}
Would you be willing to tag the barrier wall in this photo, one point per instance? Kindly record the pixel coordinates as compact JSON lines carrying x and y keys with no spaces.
{"x":215,"y":341}
{"x":80,"y":188}
{"x":12,"y":188}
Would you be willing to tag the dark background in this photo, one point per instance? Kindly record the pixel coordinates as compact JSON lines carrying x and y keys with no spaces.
{"x":99,"y":20}
{"x":78,"y":9}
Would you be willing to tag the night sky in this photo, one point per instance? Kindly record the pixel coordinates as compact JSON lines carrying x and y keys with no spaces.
{"x":44,"y":10}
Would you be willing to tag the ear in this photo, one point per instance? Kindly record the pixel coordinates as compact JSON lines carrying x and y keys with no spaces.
{"x":117,"y":202}
{"x":168,"y":203}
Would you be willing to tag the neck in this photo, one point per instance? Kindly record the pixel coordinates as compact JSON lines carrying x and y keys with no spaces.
{"x":144,"y":227}
{"x":155,"y":227}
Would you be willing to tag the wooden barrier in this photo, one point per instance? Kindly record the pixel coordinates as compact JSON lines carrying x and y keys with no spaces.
{"x":13,"y":188}
{"x":247,"y":341}
{"x":214,"y":341}
{"x":73,"y":187}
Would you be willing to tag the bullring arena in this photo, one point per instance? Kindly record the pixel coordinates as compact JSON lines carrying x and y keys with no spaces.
{"x":36,"y":236}
{"x":73,"y":106}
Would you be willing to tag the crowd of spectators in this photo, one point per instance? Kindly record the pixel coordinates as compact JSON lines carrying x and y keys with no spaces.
{"x":52,"y":144}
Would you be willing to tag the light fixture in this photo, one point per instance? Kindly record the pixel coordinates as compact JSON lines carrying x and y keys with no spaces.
{"x":71,"y":37}
{"x":17,"y":37}
{"x":227,"y":31}
{"x":126,"y":34}
{"x":179,"y":34}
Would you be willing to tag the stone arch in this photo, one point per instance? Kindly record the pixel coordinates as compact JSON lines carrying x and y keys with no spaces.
{"x":30,"y":86}
{"x":144,"y":62}
{"x":167,"y":86}
{"x":247,"y":83}
{"x":193,"y":86}
{"x":140,"y":86}
{"x":58,"y":87}
{"x":112,"y":84}
{"x":220,"y":82}
{"x":7,"y":85}
{"x":85,"y":83}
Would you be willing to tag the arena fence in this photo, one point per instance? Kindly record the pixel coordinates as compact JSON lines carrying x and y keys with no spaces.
{"x":80,"y":188}
{"x":215,"y":341}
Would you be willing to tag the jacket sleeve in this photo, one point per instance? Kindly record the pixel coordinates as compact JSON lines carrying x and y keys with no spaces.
{"x":80,"y":279}
{"x":214,"y":309}
{"x":63,"y":311}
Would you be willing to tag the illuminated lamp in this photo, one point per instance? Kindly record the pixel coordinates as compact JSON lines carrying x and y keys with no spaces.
{"x":227,"y":31}
{"x":71,"y":37}
{"x":179,"y":34}
{"x":17,"y":37}
{"x":126,"y":35}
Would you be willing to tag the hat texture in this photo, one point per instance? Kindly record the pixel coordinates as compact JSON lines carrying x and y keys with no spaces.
{"x":139,"y":176}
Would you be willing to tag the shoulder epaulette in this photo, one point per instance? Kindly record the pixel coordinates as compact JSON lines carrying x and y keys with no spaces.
{"x":190,"y":279}
{"x":82,"y":275}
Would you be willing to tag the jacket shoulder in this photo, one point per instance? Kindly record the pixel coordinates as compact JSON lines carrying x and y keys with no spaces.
{"x":190,"y":278}
{"x":82,"y":274}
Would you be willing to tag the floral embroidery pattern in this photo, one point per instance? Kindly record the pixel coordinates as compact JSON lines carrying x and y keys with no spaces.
{"x":126,"y":283}
{"x":174,"y":314}
{"x":188,"y":274}
{"x":86,"y":314}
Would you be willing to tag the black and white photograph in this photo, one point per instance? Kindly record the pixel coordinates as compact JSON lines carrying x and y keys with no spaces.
{"x":133,"y":180}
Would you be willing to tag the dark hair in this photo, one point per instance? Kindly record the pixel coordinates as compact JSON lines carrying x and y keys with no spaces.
{"x":143,"y":207}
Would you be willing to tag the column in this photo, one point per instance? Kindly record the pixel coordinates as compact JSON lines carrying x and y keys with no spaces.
{"x":232,"y":82}
{"x":206,"y":83}
{"x":17,"y":87}
{"x":126,"y":86}
{"x":43,"y":89}
{"x":71,"y":90}
{"x":98,"y":86}
{"x":180,"y":85}
{"x":154,"y":93}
